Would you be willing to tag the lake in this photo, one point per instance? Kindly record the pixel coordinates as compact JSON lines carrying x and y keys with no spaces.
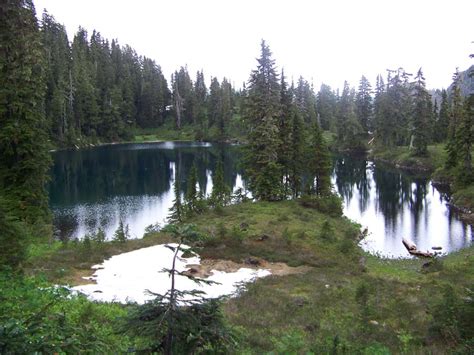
{"x":98,"y":187}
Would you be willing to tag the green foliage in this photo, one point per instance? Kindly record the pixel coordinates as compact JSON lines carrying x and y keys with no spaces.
{"x":421,"y":116}
{"x":393,"y":108}
{"x":442,"y":119}
{"x":191,"y":199}
{"x":327,"y":107}
{"x":121,"y":235}
{"x":221,"y":192}
{"x":196,"y":328}
{"x":327,"y":231}
{"x":177,"y":209}
{"x":460,"y":136}
{"x":452,"y":318}
{"x":181,"y":321}
{"x":329,"y":204}
{"x":263,"y":169}
{"x":36,"y":317}
{"x":13,"y":237}
{"x":349,"y":129}
{"x":99,"y":236}
{"x":319,"y":164}
{"x":24,"y":158}
{"x":363,"y":103}
{"x":293,"y":342}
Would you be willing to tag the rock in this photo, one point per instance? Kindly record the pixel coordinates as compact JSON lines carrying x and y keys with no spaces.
{"x":299,"y":301}
{"x":263,"y":237}
{"x":193,"y":270}
{"x":253,"y":261}
{"x":244,"y":226}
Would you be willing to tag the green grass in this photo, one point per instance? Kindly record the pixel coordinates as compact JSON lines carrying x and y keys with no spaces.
{"x":164,"y":133}
{"x":404,"y":158}
{"x":348,"y":301}
{"x":464,"y":196}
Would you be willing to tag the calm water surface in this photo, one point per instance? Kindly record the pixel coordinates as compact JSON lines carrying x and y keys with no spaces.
{"x":98,"y":187}
{"x":394,"y":205}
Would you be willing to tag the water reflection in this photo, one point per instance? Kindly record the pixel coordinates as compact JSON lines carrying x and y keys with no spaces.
{"x":98,"y":187}
{"x":395,"y":205}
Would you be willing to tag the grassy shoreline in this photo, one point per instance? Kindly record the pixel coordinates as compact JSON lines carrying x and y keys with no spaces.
{"x":348,"y":301}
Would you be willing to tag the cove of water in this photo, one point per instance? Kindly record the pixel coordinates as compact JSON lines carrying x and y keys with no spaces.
{"x":98,"y":187}
{"x":394,"y":205}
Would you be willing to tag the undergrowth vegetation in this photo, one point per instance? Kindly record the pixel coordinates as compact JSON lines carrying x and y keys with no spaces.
{"x":346,"y":302}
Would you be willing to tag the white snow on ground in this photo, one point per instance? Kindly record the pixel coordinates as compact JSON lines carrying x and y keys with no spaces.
{"x":126,"y":277}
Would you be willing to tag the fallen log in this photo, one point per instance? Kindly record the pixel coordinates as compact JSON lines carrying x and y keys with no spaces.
{"x":413,"y":250}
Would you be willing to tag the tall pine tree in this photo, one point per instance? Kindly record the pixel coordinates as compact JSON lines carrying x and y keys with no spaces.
{"x":263,"y":109}
{"x":24,"y":158}
{"x":422,"y":112}
{"x":364,"y":104}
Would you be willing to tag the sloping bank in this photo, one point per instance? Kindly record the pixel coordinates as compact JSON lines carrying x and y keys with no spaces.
{"x":432,"y":165}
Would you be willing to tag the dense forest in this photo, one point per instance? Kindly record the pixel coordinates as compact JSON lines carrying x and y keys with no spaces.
{"x":99,"y":90}
{"x":58,"y":92}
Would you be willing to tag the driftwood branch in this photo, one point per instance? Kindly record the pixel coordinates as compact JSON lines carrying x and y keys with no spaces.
{"x":413,"y":250}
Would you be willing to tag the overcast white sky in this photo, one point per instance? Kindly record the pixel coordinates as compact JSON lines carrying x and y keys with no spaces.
{"x":325,"y":41}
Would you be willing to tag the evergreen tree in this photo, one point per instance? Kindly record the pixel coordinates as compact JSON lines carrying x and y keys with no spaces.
{"x":154,"y":96}
{"x":319,"y":163}
{"x":176,"y":210}
{"x":364,"y":104}
{"x":214,"y":102}
{"x":394,"y":110}
{"x":421,"y":115}
{"x":86,"y":108}
{"x":181,"y":322}
{"x":306,"y":101}
{"x":285,"y":132}
{"x":13,"y":238}
{"x":379,"y":103}
{"x":221,"y":192}
{"x":58,"y":97}
{"x":183,"y":97}
{"x":456,"y":116}
{"x":177,"y":100}
{"x":327,"y":107}
{"x":200,"y":91}
{"x":296,"y":148}
{"x":349,"y":131}
{"x":464,"y":138}
{"x":263,"y":109}
{"x":24,"y":158}
{"x":122,"y":234}
{"x":225,"y":114}
{"x":442,"y":121}
{"x":191,"y":198}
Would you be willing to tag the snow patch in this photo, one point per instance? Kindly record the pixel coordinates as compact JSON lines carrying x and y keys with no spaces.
{"x":127,"y":277}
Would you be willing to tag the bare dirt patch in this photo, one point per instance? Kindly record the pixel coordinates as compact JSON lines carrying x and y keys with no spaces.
{"x":204,"y":269}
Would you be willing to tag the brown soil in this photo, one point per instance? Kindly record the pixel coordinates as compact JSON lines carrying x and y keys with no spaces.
{"x":204,"y":270}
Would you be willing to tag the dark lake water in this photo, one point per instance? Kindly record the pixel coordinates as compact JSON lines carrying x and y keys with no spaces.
{"x":98,"y":187}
